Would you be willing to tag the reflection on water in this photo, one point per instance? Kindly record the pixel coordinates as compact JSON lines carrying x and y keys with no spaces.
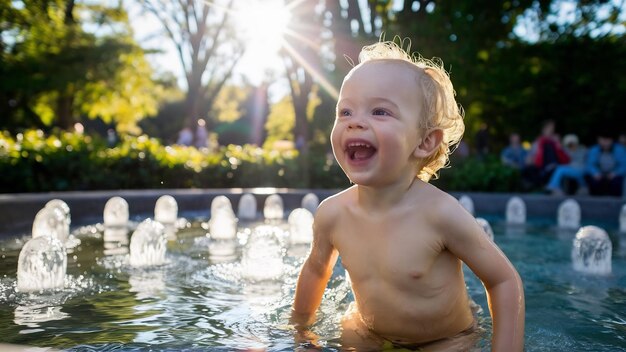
{"x":208,"y":294}
{"x":147,"y":284}
{"x":33,"y":315}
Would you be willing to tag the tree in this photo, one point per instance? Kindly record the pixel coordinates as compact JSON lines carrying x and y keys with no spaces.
{"x":206,"y":46}
{"x":54,"y":70}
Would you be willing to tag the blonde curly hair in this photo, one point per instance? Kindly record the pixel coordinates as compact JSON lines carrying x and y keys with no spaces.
{"x":441,"y":110}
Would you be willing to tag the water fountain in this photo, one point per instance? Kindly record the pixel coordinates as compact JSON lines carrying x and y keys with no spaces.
{"x":116,"y":212}
{"x":568,"y":215}
{"x":148,"y":244}
{"x":467,"y":203}
{"x":222,"y":225}
{"x":486,"y":227}
{"x":41,"y":265}
{"x":247,"y":207}
{"x":515,"y":211}
{"x":185,"y":304}
{"x":273,"y":208}
{"x":50,"y":221}
{"x":591,"y":251}
{"x":300,"y":226}
{"x":166,"y":210}
{"x":220,"y":203}
{"x":65,"y":209}
{"x":310,"y":202}
{"x":262,"y":257}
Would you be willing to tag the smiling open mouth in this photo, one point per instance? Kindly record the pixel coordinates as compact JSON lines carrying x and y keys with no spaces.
{"x":360,"y":151}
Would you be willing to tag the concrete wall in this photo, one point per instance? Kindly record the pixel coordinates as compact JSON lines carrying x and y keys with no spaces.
{"x":17,"y":211}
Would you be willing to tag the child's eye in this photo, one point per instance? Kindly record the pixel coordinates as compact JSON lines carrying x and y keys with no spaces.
{"x":344,"y":112}
{"x":381,"y":112}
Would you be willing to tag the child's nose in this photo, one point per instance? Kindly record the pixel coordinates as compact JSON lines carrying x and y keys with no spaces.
{"x":356,"y":123}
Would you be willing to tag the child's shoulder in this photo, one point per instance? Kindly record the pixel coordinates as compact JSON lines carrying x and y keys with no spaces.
{"x":440,"y":204}
{"x":337,"y":201}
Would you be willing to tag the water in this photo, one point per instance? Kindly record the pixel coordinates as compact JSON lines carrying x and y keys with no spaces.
{"x":201,"y":299}
{"x":592,"y":251}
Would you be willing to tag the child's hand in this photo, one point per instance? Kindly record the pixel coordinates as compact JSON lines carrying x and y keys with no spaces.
{"x":306,"y":340}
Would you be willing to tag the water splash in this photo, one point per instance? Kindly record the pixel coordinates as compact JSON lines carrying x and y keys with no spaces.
{"x":221,"y":203}
{"x":591,"y":251}
{"x":41,"y":265}
{"x":148,"y":244}
{"x":300,"y":226}
{"x":569,"y":214}
{"x":310,"y":202}
{"x":467,"y":203}
{"x":116,"y":212}
{"x":273,"y":208}
{"x":166,"y":210}
{"x":247,"y":207}
{"x":65,"y":210}
{"x":115,"y":241}
{"x":222,"y":225}
{"x":222,"y":251}
{"x":262,"y":257}
{"x":486,"y":227}
{"x":50,"y":221}
{"x":516,"y":211}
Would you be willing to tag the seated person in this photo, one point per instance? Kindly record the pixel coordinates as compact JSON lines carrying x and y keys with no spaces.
{"x":573,"y":171}
{"x":514,"y":155}
{"x":545,"y":155}
{"x":606,"y":166}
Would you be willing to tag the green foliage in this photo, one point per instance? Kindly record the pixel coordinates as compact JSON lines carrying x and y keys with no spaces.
{"x":35,"y":162}
{"x":479,"y":175}
{"x":54,"y":71}
{"x":280,"y":122}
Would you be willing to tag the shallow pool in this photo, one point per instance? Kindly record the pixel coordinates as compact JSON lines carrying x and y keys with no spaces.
{"x":203,"y":300}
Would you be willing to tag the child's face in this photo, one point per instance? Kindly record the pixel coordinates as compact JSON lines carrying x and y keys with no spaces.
{"x":376,"y":129}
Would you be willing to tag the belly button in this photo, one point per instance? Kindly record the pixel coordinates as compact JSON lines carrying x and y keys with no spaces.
{"x":416,"y":275}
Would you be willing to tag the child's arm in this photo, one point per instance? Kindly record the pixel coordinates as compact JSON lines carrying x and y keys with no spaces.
{"x":316,"y":270}
{"x":505,"y":292}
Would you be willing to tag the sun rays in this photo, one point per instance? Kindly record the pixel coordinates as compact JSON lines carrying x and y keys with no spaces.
{"x":271,"y":28}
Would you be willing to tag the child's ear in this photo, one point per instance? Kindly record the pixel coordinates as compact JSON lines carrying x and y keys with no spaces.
{"x":429,"y":144}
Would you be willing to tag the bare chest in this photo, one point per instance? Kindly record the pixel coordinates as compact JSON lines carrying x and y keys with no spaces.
{"x":392,"y":249}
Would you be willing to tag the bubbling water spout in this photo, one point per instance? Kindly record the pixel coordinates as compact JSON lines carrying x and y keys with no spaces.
{"x":148,"y":244}
{"x":50,"y":221}
{"x":166,"y":210}
{"x":223,"y":225}
{"x":569,"y":215}
{"x":273,"y":208}
{"x":116,"y":212}
{"x":591,"y":251}
{"x":300,"y":226}
{"x":310,"y":202}
{"x":247,"y":207}
{"x":467,"y":203}
{"x":262,"y":257}
{"x":220,"y":203}
{"x":41,"y":265}
{"x":65,"y":209}
{"x":516,"y":211}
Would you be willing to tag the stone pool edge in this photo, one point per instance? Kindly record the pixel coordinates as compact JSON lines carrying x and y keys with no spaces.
{"x":17,"y":210}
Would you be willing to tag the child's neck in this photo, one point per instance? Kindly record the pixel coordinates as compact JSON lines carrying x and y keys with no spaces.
{"x":380,"y":198}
